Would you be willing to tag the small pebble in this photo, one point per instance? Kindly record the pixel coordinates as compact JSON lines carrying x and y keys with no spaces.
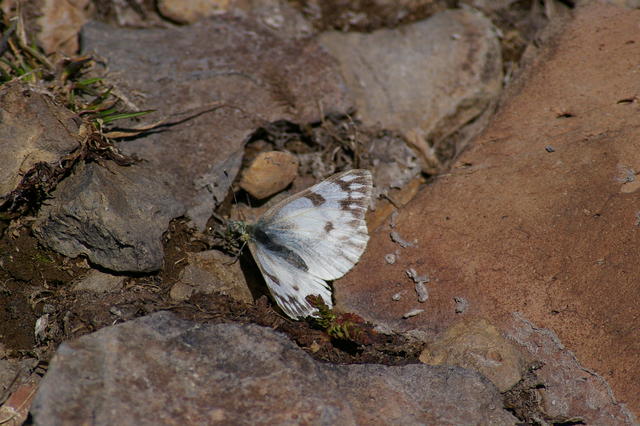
{"x":394,"y":219}
{"x":396,"y":297}
{"x":269,"y":173}
{"x":423,"y":294}
{"x":40,"y":329}
{"x":461,"y":304}
{"x":549,"y":148}
{"x":396,"y":238}
{"x":413,"y":313}
{"x":390,"y":258}
{"x":411,"y":273}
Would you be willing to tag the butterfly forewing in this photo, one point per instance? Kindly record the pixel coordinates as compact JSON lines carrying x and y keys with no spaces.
{"x":315,"y":235}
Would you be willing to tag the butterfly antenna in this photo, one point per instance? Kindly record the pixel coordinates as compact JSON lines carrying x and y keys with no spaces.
{"x":233,"y":192}
{"x":235,"y":199}
{"x":238,"y":254}
{"x":356,"y":145}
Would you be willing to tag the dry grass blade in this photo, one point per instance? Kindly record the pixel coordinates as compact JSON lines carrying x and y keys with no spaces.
{"x":134,"y":131}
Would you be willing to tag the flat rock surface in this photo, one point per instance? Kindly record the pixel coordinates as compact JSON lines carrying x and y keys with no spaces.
{"x":163,"y":370}
{"x":217,"y":81}
{"x":540,"y":216}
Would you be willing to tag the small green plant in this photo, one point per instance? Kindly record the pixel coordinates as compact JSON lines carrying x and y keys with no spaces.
{"x":68,"y":79}
{"x":347,"y":326}
{"x":42,"y":258}
{"x":18,"y":59}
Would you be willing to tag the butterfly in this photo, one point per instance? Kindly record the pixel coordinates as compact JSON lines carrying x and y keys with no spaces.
{"x":309,"y":238}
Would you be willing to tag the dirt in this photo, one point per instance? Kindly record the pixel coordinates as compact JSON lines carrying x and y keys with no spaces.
{"x":36,"y":281}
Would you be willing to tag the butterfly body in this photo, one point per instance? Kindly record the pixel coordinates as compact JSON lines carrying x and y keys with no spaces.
{"x":311,"y":237}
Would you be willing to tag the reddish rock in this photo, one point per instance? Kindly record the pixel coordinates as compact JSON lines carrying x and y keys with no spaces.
{"x":516,"y":227}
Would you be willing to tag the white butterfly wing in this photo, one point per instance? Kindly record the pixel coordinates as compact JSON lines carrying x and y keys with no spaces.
{"x":289,"y":285}
{"x":325,"y":224}
{"x":316,"y":235}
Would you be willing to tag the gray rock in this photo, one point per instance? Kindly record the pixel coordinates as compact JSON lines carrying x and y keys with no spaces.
{"x":570,"y":388}
{"x":32,"y":130}
{"x":429,"y":80}
{"x":162,"y":370}
{"x":218,"y":81}
{"x":113,"y":215}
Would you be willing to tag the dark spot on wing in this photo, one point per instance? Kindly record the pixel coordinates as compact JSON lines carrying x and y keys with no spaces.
{"x":262,"y":238}
{"x":315,"y":198}
{"x":359,"y":179}
{"x":272,"y":277}
{"x":360,"y":185}
{"x":352,"y":206}
{"x":294,"y":305}
{"x":356,"y":246}
{"x":328,"y":227}
{"x":344,"y":186}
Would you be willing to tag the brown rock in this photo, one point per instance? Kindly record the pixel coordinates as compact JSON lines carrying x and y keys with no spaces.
{"x":515,"y":228}
{"x":15,"y":410}
{"x":60,"y":23}
{"x":280,"y":16}
{"x":211,"y":271}
{"x":32,"y":130}
{"x":99,"y":282}
{"x":477,"y":345}
{"x":181,"y":291}
{"x":186,"y":12}
{"x":269,"y":173}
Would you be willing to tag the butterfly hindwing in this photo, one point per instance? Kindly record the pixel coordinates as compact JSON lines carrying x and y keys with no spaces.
{"x":289,"y":285}
{"x":316,"y":235}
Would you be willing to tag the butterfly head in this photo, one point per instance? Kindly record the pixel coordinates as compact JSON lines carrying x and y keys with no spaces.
{"x":238,"y":230}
